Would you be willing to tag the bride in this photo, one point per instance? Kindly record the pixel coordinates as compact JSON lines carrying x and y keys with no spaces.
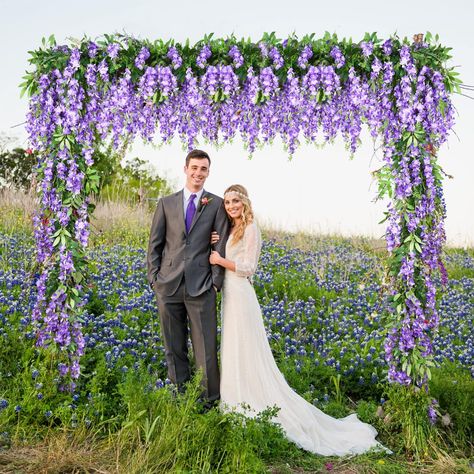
{"x":250,"y":376}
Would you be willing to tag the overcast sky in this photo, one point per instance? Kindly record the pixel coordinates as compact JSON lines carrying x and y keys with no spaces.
{"x":322,"y":190}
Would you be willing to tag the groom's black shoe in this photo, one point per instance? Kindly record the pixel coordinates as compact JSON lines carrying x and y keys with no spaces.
{"x":205,"y":405}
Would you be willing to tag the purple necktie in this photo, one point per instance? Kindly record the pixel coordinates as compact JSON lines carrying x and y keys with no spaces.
{"x":190,"y":211}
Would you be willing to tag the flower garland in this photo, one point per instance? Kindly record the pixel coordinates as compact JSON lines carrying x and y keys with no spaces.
{"x":119,"y":88}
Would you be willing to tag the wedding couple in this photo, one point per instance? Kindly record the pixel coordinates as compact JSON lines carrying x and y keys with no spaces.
{"x":185,"y":274}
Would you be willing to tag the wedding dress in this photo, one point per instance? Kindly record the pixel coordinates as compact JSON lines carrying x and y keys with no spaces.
{"x":250,"y":376}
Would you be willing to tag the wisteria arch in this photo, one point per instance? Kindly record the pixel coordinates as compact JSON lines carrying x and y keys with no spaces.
{"x":120,"y":87}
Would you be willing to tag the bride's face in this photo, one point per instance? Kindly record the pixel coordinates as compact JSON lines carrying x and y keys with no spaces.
{"x":233,"y":206}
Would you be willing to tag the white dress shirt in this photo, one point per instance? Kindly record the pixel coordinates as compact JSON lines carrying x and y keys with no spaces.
{"x":186,"y":194}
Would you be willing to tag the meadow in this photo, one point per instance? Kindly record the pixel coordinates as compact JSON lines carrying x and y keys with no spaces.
{"x":324,"y":301}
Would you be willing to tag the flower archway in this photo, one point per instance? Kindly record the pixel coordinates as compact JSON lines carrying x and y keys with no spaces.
{"x":120,"y":87}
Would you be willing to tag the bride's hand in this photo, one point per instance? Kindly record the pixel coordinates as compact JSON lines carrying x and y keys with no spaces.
{"x":214,"y":258}
{"x":214,"y":237}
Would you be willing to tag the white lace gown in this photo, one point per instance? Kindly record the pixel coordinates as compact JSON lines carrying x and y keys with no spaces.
{"x":250,"y":376}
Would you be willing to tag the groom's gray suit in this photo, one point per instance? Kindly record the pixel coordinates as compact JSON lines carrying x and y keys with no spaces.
{"x":184,"y":283}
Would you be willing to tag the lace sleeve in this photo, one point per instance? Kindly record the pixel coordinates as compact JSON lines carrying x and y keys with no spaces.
{"x":247,"y":265}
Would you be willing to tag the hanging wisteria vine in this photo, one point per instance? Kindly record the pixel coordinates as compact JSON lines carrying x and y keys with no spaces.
{"x":311,"y":89}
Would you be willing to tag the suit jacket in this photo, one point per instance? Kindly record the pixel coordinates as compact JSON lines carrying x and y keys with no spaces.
{"x":173,"y":253}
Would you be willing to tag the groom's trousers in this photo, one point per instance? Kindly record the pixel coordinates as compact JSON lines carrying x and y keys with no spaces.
{"x":175,"y":311}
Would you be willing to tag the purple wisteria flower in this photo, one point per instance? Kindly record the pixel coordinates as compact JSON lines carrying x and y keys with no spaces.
{"x":406,"y":60}
{"x":81,"y":226}
{"x":103,"y":71}
{"x":387,"y":47}
{"x":113,"y":50}
{"x":66,"y":264}
{"x":236,"y":56}
{"x":175,"y":57}
{"x":305,"y":56}
{"x":263,"y":49}
{"x":276,"y":57}
{"x":143,"y":55}
{"x":338,"y":57}
{"x":432,"y":415}
{"x":74,"y":178}
{"x":268,"y":81}
{"x":367,"y":48}
{"x":63,"y":369}
{"x":74,"y":59}
{"x":399,"y":377}
{"x":92,"y":49}
{"x":229,"y":82}
{"x":88,"y":156}
{"x":203,"y":56}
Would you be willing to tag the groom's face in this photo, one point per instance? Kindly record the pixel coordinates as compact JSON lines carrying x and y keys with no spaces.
{"x":196,"y":172}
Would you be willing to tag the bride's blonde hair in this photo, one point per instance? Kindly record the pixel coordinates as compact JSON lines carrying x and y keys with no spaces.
{"x":247,"y":211}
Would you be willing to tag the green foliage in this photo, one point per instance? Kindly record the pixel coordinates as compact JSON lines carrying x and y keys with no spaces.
{"x":407,"y":409}
{"x":452,"y":387}
{"x":164,"y":432}
{"x":106,"y":163}
{"x":456,"y":266}
{"x":135,"y":182}
{"x":17,"y":168}
{"x":367,"y":412}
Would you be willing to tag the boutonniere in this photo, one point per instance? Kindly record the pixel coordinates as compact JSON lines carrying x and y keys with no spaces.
{"x":205,"y":201}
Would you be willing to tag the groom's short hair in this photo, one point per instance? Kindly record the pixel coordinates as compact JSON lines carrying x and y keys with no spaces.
{"x":199,"y":154}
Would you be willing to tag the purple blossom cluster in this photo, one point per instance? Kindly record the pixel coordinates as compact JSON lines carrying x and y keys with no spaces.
{"x":176,"y":59}
{"x":305,"y":56}
{"x":276,"y":58}
{"x":113,"y":50}
{"x":140,"y":60}
{"x":203,"y":56}
{"x":220,"y":77}
{"x":236,"y":56}
{"x":387,"y":47}
{"x":338,"y":57}
{"x":367,"y":48}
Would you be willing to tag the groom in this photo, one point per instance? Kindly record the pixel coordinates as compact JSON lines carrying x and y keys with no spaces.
{"x":184,"y":282}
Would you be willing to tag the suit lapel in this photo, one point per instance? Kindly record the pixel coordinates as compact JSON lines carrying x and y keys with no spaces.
{"x":199,"y":211}
{"x":180,"y":210}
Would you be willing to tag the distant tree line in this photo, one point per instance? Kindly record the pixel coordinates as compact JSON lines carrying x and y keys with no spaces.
{"x":134,"y":181}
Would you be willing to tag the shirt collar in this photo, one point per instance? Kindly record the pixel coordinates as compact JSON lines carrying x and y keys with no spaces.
{"x":187,"y":193}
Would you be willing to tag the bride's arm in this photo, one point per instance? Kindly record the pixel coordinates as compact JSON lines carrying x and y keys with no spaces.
{"x":247,"y":265}
{"x":216,"y":259}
